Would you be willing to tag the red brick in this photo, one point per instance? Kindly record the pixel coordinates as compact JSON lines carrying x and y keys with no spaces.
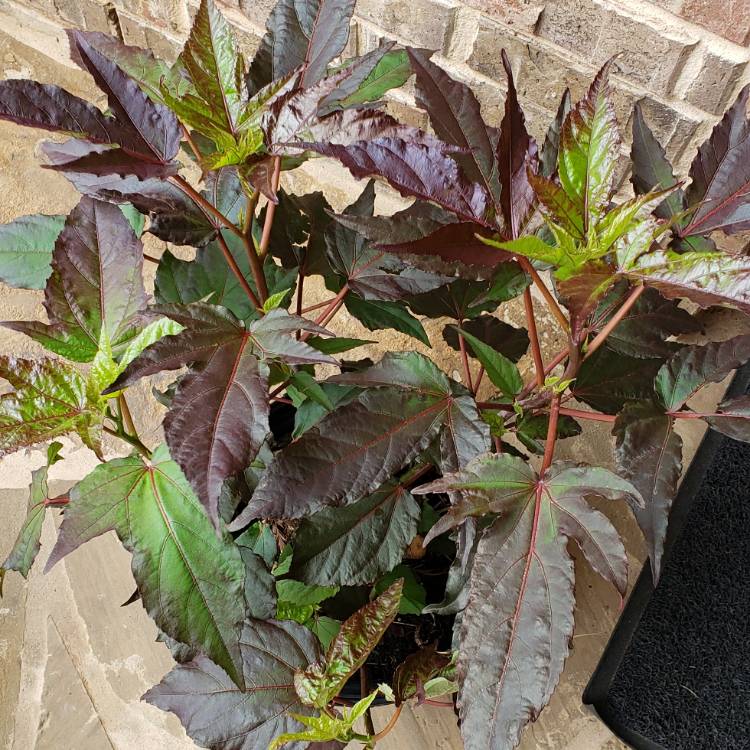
{"x":729,"y":18}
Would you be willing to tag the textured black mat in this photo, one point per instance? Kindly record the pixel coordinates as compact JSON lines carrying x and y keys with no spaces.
{"x":676,"y":672}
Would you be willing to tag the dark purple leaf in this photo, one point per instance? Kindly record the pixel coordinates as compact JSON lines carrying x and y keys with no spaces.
{"x":516,"y":154}
{"x":308,"y":35}
{"x":218,"y":419}
{"x":693,"y":366}
{"x":217,"y":714}
{"x":465,"y":435}
{"x":416,"y":169}
{"x":456,"y":118}
{"x":607,"y":380}
{"x":90,"y":158}
{"x":373,"y":274}
{"x":551,"y":147}
{"x":721,"y":175}
{"x":733,"y":418}
{"x":511,"y":342}
{"x":149,"y":130}
{"x":649,"y":454}
{"x":645,"y":330}
{"x":519,"y":620}
{"x":651,"y":168}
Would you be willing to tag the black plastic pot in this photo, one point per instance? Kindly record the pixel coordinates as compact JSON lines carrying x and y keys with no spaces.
{"x":676,"y":672}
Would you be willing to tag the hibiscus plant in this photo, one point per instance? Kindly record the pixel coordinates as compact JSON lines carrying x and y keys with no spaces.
{"x":300,"y":520}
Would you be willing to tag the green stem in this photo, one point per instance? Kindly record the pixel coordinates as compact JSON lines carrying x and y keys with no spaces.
{"x":129,"y":439}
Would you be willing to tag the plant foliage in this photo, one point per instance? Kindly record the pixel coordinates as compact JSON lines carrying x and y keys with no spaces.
{"x":307,"y":508}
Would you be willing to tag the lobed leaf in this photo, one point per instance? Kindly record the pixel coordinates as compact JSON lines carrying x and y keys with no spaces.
{"x":733,"y":418}
{"x":177,"y":556}
{"x":216,"y":713}
{"x":26,"y":246}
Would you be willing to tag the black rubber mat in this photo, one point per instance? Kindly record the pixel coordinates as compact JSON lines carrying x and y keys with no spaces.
{"x":676,"y":672}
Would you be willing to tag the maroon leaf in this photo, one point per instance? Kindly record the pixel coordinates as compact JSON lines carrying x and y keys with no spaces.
{"x":49,"y":107}
{"x":102,"y":160}
{"x":218,"y":419}
{"x":373,"y":274}
{"x":693,"y":366}
{"x":581,"y":293}
{"x":519,"y":620}
{"x":465,"y":435}
{"x":721,"y":175}
{"x":551,"y":147}
{"x":422,"y":170}
{"x":416,"y":670}
{"x":649,"y":454}
{"x":456,"y":118}
{"x":217,"y":714}
{"x":651,"y":168}
{"x":149,"y":130}
{"x":308,"y":36}
{"x":733,"y":418}
{"x":516,"y":150}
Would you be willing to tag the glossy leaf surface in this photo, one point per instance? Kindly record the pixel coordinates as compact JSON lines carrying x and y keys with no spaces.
{"x":177,"y":556}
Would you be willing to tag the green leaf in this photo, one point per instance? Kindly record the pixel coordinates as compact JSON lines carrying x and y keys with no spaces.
{"x":589,"y":147}
{"x":302,"y":594}
{"x":381,"y":314}
{"x":212,"y":64}
{"x":414,"y":597}
{"x":310,"y":412}
{"x":26,"y":246}
{"x":336,"y":345}
{"x":49,"y":399}
{"x":96,"y":284}
{"x":310,"y":389}
{"x":326,"y":628}
{"x":529,"y":246}
{"x":274,"y":300}
{"x":27,"y":545}
{"x":355,"y":545}
{"x":392,"y":72}
{"x":260,"y":539}
{"x":323,"y":680}
{"x":190,"y":580}
{"x":500,"y":370}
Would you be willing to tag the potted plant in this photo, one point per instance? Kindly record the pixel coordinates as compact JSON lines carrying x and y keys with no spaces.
{"x":295,"y":520}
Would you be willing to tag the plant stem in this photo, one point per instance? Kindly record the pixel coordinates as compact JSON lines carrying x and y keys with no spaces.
{"x":193,"y":146}
{"x":493,"y":405}
{"x":536,"y":349}
{"x":270,"y":209}
{"x":600,"y":338}
{"x":547,"y":370}
{"x":549,"y":445}
{"x":150,"y":258}
{"x":478,"y":380}
{"x":332,"y":309}
{"x":127,"y":417}
{"x":389,"y":726}
{"x":56,"y":501}
{"x":130,"y":439}
{"x":208,"y":208}
{"x":256,"y":264}
{"x":465,"y":360}
{"x":548,"y":296}
{"x":317,"y":306}
{"x":369,"y":725}
{"x":582,"y":414}
{"x":237,"y":271}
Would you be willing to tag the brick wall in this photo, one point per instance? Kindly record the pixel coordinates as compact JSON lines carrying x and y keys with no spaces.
{"x":685,"y":59}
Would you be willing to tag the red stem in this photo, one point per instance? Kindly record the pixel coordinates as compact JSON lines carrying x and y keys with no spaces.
{"x":536,"y":349}
{"x":493,"y":405}
{"x":389,"y":726}
{"x":465,"y":359}
{"x":55,"y":501}
{"x":478,"y":380}
{"x":325,"y":302}
{"x":331,"y":310}
{"x":237,"y":271}
{"x":582,"y":414}
{"x":548,"y":296}
{"x":150,"y":258}
{"x":270,"y":209}
{"x":199,"y":200}
{"x":549,"y":446}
